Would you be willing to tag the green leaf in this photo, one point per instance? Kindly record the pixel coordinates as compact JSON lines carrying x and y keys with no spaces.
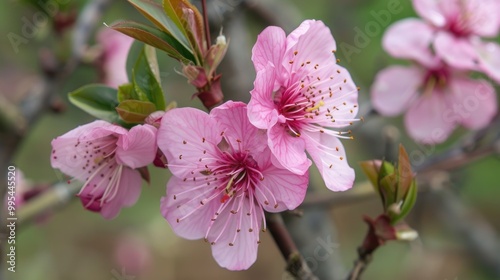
{"x":371,"y":171}
{"x":135,"y":111}
{"x":133,"y":54}
{"x":146,"y":78}
{"x":387,"y":186}
{"x":97,"y":100}
{"x":127,"y":92}
{"x":408,"y":203}
{"x":405,"y":175}
{"x":386,"y":168}
{"x":156,"y":38}
{"x":155,"y":13}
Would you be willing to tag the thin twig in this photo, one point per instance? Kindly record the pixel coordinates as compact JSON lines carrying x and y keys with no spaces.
{"x":205,"y":22}
{"x":479,"y":236}
{"x":296,"y":264}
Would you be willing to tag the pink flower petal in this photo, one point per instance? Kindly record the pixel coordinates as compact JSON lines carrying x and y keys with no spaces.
{"x":269,"y":48}
{"x":474,"y":102}
{"x":281,"y":189}
{"x":129,"y":190}
{"x":302,"y":46}
{"x":261,"y":109}
{"x":67,"y":157}
{"x":489,"y":59}
{"x":289,"y":150}
{"x":431,"y":11}
{"x":194,"y":218}
{"x":395,"y":88}
{"x":232,"y":118}
{"x":481,"y":17}
{"x":410,"y":39}
{"x":426,"y":120}
{"x":457,"y":52}
{"x":137,"y":148}
{"x":328,"y":154}
{"x":185,"y":136}
{"x":243,"y":253}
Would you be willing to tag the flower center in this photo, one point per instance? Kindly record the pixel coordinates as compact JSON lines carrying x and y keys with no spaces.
{"x":435,"y":78}
{"x":103,"y":179}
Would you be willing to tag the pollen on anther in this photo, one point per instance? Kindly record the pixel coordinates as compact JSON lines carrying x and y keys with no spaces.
{"x":180,"y":156}
{"x":175,"y":197}
{"x":203,"y":139}
{"x":291,"y":62}
{"x":250,"y":229}
{"x":184,"y":142}
{"x":341,"y":158}
{"x":295,"y":52}
{"x":338,"y":71}
{"x":231,"y":244}
{"x":177,"y":220}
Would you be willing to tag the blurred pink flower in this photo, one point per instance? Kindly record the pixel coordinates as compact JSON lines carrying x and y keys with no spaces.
{"x":115,"y":47}
{"x":104,"y":156}
{"x":132,"y":254}
{"x":435,"y":97}
{"x":435,"y":100}
{"x":301,"y":96}
{"x":223,"y":181}
{"x":458,"y":26}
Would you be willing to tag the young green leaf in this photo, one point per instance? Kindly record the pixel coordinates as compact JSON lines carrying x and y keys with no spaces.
{"x":405,"y":175}
{"x":97,"y":100}
{"x":127,"y":92}
{"x":156,"y":38}
{"x":371,"y":171}
{"x":408,"y":203}
{"x":154,"y":12}
{"x":145,"y":81}
{"x":135,"y":111}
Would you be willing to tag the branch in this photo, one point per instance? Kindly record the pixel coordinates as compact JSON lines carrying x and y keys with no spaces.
{"x":39,"y":98}
{"x":296,"y":264}
{"x":57,"y":196}
{"x":480,"y":237}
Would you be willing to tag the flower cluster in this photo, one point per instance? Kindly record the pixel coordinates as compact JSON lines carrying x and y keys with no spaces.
{"x":445,"y":46}
{"x":237,"y":162}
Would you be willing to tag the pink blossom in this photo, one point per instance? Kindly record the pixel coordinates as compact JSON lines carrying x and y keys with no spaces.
{"x":435,"y":97}
{"x":458,"y":27}
{"x":132,"y":254}
{"x":223,"y":181}
{"x":435,"y":100}
{"x":302,"y":97}
{"x":104,"y":156}
{"x":115,"y":47}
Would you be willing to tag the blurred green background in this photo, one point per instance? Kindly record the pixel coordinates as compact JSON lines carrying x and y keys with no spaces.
{"x":75,"y":244}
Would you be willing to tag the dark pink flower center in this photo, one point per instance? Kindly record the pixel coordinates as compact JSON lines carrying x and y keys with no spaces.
{"x":103,"y":172}
{"x":436,"y":78}
{"x":230,"y":183}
